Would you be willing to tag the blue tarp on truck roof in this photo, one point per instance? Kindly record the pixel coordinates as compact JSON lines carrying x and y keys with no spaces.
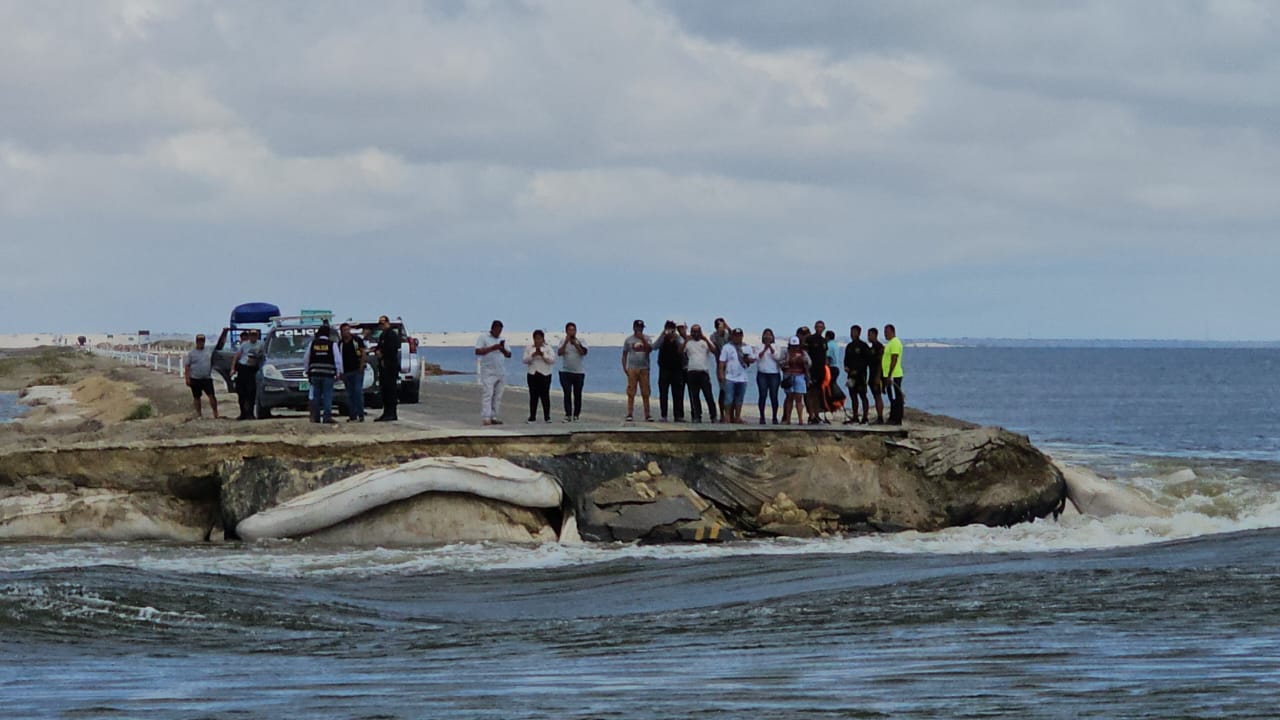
{"x":255,"y":312}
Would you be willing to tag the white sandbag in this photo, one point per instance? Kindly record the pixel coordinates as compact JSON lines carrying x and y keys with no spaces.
{"x":485,"y":477}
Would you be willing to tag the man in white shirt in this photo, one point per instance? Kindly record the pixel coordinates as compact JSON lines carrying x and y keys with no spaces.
{"x":735,"y":358}
{"x":700,"y":358}
{"x":492,"y":350}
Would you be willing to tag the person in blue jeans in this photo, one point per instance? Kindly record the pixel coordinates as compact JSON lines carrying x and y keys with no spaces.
{"x":352,"y":349}
{"x":323,"y":363}
{"x":769,"y":372}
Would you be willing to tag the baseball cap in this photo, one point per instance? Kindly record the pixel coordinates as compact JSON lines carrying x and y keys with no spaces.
{"x":794,"y":341}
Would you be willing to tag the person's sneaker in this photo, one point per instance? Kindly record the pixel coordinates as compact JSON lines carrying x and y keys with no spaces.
{"x":567,"y":419}
{"x":630,"y":419}
{"x":532,"y":420}
{"x":496,"y":421}
{"x":648,"y":419}
{"x":330,"y":421}
{"x":485,"y":421}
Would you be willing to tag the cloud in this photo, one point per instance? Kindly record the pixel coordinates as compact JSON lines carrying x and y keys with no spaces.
{"x":683,"y":140}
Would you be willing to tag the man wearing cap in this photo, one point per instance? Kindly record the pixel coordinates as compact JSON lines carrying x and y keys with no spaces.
{"x":670,"y":347}
{"x":635,"y":363}
{"x":197,"y":372}
{"x":735,"y":358}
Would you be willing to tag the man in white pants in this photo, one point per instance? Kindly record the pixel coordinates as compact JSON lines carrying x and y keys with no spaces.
{"x":492,"y":350}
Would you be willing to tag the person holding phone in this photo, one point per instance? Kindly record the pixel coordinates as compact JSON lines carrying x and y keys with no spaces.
{"x":539,"y":358}
{"x":492,"y":350}
{"x":573,"y":373}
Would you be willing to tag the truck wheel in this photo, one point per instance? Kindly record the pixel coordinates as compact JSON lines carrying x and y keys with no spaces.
{"x":410,"y":392}
{"x":260,"y":412}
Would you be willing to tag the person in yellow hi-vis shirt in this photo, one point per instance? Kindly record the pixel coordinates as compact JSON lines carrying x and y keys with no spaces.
{"x":892,"y":365}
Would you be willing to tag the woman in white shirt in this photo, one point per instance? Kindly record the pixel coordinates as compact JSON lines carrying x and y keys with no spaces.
{"x":769,"y":372}
{"x":540,"y":357}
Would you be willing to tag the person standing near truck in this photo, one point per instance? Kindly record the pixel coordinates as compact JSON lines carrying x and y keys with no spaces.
{"x":352,"y":349}
{"x":388,"y":352}
{"x":244,"y":366}
{"x":197,"y":372}
{"x":323,"y":365}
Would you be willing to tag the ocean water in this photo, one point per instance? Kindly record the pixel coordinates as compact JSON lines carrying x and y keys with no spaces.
{"x":1080,"y":617}
{"x":10,"y":410}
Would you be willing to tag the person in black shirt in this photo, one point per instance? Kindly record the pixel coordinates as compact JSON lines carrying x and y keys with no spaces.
{"x":388,"y":352}
{"x":876,"y":372}
{"x":816,"y":345}
{"x":857,"y":361}
{"x":353,"y":372}
{"x":670,"y":347}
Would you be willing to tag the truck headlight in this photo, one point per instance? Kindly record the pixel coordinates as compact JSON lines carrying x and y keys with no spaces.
{"x":271,"y":372}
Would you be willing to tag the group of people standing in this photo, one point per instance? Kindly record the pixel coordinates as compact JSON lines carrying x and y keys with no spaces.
{"x":805,"y":369}
{"x":541,"y":359}
{"x":325,"y":361}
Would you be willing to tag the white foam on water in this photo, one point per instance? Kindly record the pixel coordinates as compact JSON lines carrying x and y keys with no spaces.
{"x":71,"y":601}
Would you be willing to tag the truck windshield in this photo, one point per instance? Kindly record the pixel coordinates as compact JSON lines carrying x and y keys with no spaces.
{"x":291,"y":345}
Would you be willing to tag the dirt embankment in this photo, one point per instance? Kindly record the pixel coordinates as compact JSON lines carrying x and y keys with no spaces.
{"x":77,"y":398}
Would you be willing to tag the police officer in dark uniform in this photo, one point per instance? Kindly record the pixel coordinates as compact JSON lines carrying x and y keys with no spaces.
{"x":388,"y":352}
{"x":323,"y":365}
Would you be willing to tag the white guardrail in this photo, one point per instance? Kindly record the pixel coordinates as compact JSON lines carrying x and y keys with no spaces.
{"x":170,"y":362}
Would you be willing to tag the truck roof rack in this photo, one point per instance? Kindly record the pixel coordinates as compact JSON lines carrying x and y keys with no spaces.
{"x":309,"y":319}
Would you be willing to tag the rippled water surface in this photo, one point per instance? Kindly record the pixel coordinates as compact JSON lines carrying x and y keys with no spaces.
{"x":1081,"y":617}
{"x":1176,"y":629}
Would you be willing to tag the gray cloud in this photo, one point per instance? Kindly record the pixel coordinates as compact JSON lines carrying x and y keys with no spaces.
{"x":747,"y":141}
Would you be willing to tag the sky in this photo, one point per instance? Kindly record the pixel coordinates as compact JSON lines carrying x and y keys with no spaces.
{"x":1009,"y":169}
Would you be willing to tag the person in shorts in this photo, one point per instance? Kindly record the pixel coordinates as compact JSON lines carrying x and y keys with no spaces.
{"x":197,"y":371}
{"x":635,"y":363}
{"x":735,"y":358}
{"x":795,"y":371}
